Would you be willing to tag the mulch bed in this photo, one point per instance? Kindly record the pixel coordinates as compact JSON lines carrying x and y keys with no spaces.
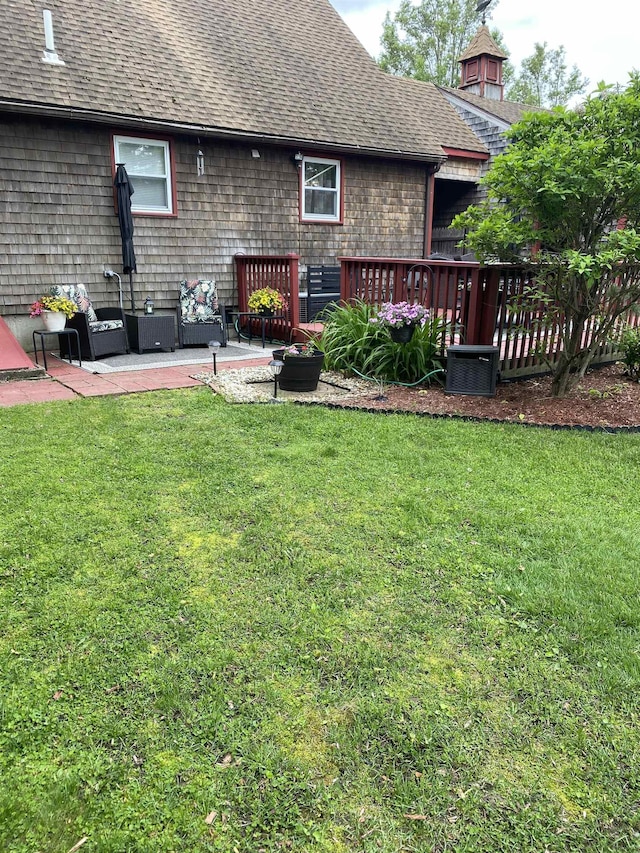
{"x":604,"y":399}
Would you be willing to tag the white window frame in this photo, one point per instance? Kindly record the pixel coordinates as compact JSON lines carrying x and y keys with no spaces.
{"x":167,"y":210}
{"x":337,"y":190}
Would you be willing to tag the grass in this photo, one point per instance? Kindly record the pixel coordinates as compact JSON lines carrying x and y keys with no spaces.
{"x":255,"y":628}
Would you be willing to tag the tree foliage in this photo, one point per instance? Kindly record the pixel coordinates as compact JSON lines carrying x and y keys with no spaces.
{"x":544,"y":80}
{"x":425,"y":41}
{"x":563,"y":185}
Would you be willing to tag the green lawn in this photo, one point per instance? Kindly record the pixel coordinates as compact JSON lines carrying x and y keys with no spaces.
{"x":272,"y":628}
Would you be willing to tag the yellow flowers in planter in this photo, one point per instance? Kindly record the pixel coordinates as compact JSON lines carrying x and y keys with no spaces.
{"x":266,"y":299}
{"x":50,"y":302}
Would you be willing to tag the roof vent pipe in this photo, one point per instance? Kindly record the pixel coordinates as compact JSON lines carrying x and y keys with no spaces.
{"x":49,"y":55}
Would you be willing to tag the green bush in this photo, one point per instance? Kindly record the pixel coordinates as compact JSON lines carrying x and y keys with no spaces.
{"x":353,"y":344}
{"x":630,"y":346}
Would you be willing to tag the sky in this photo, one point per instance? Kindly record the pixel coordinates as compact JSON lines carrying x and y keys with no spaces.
{"x":602,"y":40}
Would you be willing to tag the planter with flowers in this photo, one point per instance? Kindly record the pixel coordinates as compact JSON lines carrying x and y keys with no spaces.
{"x":266,"y":301}
{"x":302,"y":366}
{"x":401,"y":319}
{"x":54,"y":311}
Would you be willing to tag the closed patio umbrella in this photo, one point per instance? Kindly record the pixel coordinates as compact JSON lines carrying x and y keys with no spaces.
{"x":124,"y":191}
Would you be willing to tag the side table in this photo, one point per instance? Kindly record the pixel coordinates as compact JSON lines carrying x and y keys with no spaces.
{"x":43,"y":333}
{"x":263,"y":319}
{"x":151,"y":331}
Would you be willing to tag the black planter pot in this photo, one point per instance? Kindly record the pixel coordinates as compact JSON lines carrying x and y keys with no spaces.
{"x":300,"y":373}
{"x":266,"y":312}
{"x":403,"y":334}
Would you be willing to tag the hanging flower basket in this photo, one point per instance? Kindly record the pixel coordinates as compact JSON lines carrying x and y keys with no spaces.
{"x":401,"y":319}
{"x":402,"y":334}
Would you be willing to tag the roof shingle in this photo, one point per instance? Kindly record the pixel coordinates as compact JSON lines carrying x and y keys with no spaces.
{"x":285,"y":70}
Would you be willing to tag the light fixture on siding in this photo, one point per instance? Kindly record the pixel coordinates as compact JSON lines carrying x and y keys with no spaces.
{"x":49,"y":54}
{"x":255,"y":153}
{"x":297,"y":158}
{"x":200,"y":162}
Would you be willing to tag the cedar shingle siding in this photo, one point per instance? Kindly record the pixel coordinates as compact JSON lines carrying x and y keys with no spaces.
{"x":58,"y":224}
{"x":224,"y":76}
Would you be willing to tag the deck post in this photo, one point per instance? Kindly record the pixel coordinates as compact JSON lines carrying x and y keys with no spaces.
{"x":489,"y":307}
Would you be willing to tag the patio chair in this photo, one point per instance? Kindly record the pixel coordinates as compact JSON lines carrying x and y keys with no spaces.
{"x":102,"y":331}
{"x":201,"y":318}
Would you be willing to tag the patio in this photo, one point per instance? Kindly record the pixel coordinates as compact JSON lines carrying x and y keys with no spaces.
{"x":126,"y":374}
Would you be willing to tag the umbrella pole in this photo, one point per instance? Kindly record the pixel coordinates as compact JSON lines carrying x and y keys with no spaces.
{"x":133,"y":305}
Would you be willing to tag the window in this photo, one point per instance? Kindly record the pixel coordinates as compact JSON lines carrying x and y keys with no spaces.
{"x":148,"y":164}
{"x":321,"y":190}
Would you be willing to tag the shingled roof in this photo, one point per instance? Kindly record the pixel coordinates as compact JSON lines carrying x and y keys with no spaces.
{"x":279,"y":70}
{"x":483,"y":44}
{"x":507,"y":111}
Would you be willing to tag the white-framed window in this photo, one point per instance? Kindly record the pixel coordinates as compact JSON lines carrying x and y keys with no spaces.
{"x":148,"y":164}
{"x":321,"y":190}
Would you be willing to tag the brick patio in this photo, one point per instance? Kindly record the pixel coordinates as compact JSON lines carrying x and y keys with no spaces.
{"x":66,"y":382}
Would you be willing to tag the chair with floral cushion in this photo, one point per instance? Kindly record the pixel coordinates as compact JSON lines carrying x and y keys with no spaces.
{"x":102,"y":331}
{"x":201,"y":317}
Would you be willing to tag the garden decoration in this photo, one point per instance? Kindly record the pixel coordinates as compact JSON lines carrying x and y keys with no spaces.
{"x":54,"y":311}
{"x":266,"y":301}
{"x":302,"y":364}
{"x":400,"y":319}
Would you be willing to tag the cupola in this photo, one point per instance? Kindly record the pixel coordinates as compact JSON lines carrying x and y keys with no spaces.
{"x":481,"y":67}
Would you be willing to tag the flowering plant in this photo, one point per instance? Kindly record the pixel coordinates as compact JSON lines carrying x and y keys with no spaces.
{"x":266,"y":299}
{"x":51,"y":302}
{"x":394,"y":315}
{"x":305,"y":350}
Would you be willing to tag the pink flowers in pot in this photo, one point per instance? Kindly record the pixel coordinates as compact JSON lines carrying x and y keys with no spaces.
{"x":394,"y":315}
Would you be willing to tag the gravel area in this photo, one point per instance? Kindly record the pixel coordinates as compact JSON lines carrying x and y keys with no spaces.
{"x":255,"y":385}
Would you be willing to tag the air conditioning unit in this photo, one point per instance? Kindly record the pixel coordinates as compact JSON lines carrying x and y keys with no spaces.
{"x":472,"y":370}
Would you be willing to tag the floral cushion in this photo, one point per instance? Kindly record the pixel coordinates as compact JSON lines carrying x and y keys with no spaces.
{"x":78,"y":293}
{"x":199,"y":301}
{"x":105,"y":325}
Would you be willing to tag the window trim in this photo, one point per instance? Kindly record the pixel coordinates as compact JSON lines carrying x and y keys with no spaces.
{"x":339,"y":190}
{"x":167,"y":144}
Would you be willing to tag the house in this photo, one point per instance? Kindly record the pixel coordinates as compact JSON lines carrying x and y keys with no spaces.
{"x":479,"y":101}
{"x":259,"y":127}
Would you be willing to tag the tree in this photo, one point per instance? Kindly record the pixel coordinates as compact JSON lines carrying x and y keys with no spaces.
{"x":544,"y":81}
{"x":564,"y":184}
{"x":425,"y":41}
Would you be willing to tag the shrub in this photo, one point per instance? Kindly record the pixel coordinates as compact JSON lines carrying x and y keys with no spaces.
{"x":353,"y":344}
{"x":630,"y":347}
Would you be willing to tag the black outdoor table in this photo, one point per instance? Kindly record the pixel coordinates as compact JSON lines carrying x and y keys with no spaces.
{"x":70,"y":333}
{"x":263,"y":318}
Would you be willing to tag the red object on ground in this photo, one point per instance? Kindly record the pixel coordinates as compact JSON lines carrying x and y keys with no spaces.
{"x":12,"y":356}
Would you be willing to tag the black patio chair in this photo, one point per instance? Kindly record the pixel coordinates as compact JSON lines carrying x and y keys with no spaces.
{"x":201,"y":317}
{"x":102,"y":331}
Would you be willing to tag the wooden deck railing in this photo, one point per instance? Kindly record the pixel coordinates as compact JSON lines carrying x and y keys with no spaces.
{"x":277,"y":271}
{"x":478,"y":303}
{"x":449,"y":289}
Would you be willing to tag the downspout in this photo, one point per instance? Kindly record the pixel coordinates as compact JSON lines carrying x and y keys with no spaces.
{"x":429,"y":194}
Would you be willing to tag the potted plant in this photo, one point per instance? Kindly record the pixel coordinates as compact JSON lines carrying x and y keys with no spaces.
{"x":266,"y":300}
{"x":302,"y":366}
{"x":401,"y":319}
{"x":54,"y":311}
